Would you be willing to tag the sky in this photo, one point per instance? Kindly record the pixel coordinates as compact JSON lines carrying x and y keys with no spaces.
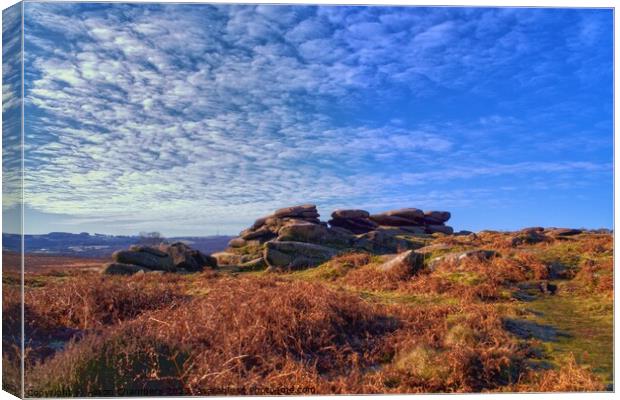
{"x":197,"y":119}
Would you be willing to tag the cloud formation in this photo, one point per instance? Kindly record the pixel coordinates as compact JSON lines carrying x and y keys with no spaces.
{"x":200,"y":116}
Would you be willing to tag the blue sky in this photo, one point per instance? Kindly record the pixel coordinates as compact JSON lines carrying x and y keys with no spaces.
{"x":197,"y":119}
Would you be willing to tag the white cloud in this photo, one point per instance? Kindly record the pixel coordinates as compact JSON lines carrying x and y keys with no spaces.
{"x":139,"y":121}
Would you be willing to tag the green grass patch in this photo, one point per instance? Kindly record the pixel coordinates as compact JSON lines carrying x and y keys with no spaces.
{"x":463,"y":278}
{"x":588,"y":321}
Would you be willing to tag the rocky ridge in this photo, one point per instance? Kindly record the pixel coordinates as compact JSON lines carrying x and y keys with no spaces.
{"x":295,"y":237}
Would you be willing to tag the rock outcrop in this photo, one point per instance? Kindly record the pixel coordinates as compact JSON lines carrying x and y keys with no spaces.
{"x":414,"y":221}
{"x":294,"y":237}
{"x":266,"y":228}
{"x":176,"y":257}
{"x":355,"y":221}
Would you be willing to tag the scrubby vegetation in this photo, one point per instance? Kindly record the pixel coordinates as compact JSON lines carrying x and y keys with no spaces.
{"x":519,"y":317}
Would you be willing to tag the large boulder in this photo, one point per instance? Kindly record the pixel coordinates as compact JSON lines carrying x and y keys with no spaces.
{"x":439,"y":229}
{"x":436,"y":217}
{"x":184,"y":257}
{"x":296,"y":255}
{"x":314,"y":233}
{"x":263,"y":234}
{"x":381,"y":242}
{"x":402,"y":230}
{"x":147,"y":249}
{"x":407,"y":213}
{"x":303,"y":211}
{"x":267,"y":228}
{"x":393,"y":220}
{"x":346,"y":214}
{"x":122,"y":269}
{"x":145,"y":258}
{"x":561,"y":232}
{"x":527,"y":236}
{"x":404,"y":264}
{"x":355,"y":225}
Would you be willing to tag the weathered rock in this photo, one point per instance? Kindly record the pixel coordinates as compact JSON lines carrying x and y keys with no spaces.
{"x":144,"y":259}
{"x":345,"y":214}
{"x":532,"y":229}
{"x":527,"y":237}
{"x":297,"y":211}
{"x":564,"y":232}
{"x":393,"y":220}
{"x":187,"y":258}
{"x":296,"y":255}
{"x":380,"y":242}
{"x":355,"y":225}
{"x":436,"y":217}
{"x":439,"y":229}
{"x":236,"y":243}
{"x":404,"y":264}
{"x":259,"y":222}
{"x":116,"y":268}
{"x":407,"y":213}
{"x":414,"y":230}
{"x":402,"y":230}
{"x":225,"y":258}
{"x":314,"y":233}
{"x":463,"y":233}
{"x":458,"y":258}
{"x":148,"y":249}
{"x":262,"y":233}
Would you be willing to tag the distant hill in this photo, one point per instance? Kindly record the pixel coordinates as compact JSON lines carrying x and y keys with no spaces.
{"x":98,"y":245}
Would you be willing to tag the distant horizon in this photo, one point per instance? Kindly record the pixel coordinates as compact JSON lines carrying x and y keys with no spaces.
{"x":324,"y":217}
{"x":502,"y":116}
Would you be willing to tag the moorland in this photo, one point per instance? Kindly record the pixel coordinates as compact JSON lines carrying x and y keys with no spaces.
{"x":390,"y":303}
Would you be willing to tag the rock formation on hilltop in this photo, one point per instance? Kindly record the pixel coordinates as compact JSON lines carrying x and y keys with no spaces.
{"x":295,"y":238}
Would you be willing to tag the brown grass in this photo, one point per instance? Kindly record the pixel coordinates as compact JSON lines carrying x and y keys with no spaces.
{"x":89,"y":301}
{"x":345,"y":327}
{"x":273,"y":332}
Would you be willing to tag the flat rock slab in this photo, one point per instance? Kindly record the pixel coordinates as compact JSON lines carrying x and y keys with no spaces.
{"x":440,"y":229}
{"x":438,"y":217}
{"x":350,"y":214}
{"x":297,"y":211}
{"x":408,"y":213}
{"x":355,"y":225}
{"x":564,"y":232}
{"x":394,"y":220}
